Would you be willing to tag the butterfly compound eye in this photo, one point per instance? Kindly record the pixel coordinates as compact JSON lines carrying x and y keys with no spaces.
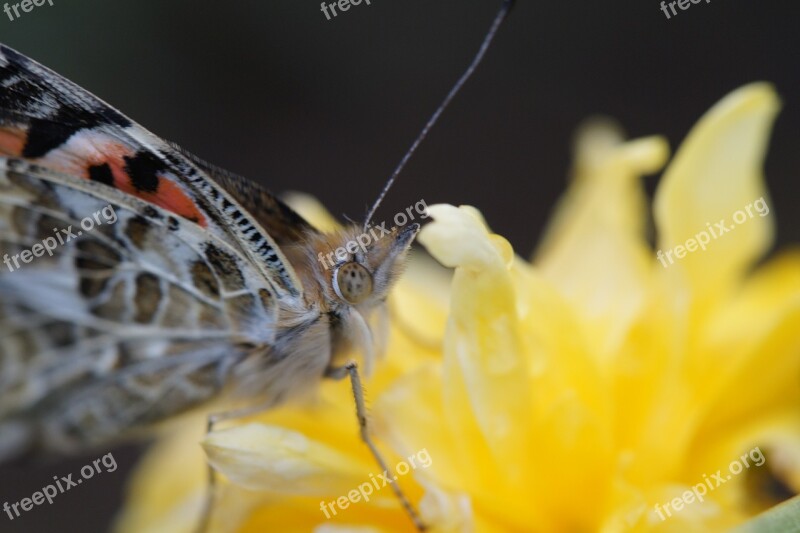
{"x":352,"y":283}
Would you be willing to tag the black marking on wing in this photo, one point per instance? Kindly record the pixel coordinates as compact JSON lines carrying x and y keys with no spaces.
{"x":46,"y":134}
{"x":143,"y":169}
{"x":23,"y":93}
{"x":102,"y":174}
{"x":151,"y":213}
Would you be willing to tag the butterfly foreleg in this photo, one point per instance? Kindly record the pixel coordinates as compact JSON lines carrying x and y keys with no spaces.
{"x":351,"y":369}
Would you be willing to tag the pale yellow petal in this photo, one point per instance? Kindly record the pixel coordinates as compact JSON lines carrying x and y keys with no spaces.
{"x":328,"y":528}
{"x":312,"y":210}
{"x":420,"y":303}
{"x":452,"y":513}
{"x":716,"y":176}
{"x":167,"y":491}
{"x":275,"y":459}
{"x":487,"y":399}
{"x":595,"y":249}
{"x":459,"y":237}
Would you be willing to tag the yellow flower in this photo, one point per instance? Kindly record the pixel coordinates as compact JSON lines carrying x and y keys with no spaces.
{"x":608,"y":385}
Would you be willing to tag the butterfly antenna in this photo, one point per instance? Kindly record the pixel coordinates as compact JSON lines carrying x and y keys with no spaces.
{"x":498,"y":20}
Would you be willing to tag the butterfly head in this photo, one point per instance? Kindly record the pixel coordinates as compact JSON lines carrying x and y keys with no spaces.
{"x":365,"y":265}
{"x":353,"y":272}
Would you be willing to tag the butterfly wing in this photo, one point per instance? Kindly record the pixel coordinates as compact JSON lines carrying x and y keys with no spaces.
{"x":49,"y":120}
{"x":118,"y":315}
{"x":280,"y":221}
{"x":139,"y":318}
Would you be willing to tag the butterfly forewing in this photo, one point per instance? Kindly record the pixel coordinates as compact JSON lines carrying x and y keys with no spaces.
{"x":50,"y":120}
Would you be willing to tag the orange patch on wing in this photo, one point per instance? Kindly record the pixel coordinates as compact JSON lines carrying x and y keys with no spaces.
{"x":12,"y":141}
{"x":169,"y":196}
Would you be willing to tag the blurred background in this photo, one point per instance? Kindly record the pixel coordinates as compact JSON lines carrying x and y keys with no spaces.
{"x":276,"y":92}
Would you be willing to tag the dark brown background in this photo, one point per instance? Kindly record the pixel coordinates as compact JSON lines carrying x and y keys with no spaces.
{"x":274,"y":91}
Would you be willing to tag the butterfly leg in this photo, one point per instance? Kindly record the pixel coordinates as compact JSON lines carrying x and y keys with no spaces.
{"x":351,"y":369}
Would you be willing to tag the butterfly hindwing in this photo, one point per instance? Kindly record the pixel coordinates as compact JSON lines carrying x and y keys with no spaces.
{"x":140,"y":317}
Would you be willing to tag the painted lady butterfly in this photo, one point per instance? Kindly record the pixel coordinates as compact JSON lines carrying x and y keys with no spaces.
{"x":205,"y":283}
{"x":206,"y":286}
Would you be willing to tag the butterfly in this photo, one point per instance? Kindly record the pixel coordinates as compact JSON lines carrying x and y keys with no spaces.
{"x":205,"y":284}
{"x":201,"y":287}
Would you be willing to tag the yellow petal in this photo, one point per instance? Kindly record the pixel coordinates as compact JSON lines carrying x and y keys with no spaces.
{"x":329,"y":528}
{"x":458,"y":238}
{"x":595,"y":249}
{"x":717,"y":175}
{"x":420,"y":303}
{"x":487,"y":394}
{"x":275,"y":459}
{"x":312,"y":210}
{"x":167,"y":492}
{"x":753,"y":349}
{"x":305,"y":515}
